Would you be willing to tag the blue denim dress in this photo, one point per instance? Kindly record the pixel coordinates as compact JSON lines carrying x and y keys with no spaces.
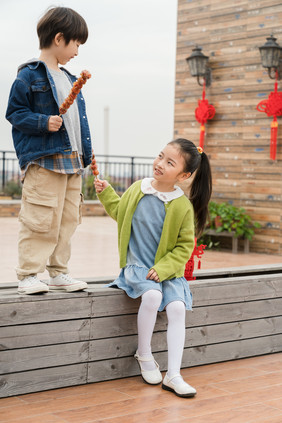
{"x":146,"y":230}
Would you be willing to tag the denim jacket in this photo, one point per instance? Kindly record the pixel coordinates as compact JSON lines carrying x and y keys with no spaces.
{"x":33,"y":98}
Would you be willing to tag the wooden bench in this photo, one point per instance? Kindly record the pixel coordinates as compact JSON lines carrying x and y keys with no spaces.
{"x":58,"y":339}
{"x":212,"y":232}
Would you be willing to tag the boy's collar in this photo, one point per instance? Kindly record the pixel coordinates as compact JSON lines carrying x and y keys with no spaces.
{"x":34,"y":63}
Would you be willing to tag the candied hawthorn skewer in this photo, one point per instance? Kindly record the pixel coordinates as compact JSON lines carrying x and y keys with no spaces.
{"x":94,"y":166}
{"x":77,"y":85}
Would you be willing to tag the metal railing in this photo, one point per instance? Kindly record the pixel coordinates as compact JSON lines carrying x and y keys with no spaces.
{"x":121,"y":171}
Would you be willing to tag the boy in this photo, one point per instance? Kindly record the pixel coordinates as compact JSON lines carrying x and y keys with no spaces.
{"x":52,"y":152}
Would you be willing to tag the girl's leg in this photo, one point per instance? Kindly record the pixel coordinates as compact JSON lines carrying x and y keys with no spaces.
{"x":175,"y":337}
{"x":146,"y":320}
{"x":175,"y":341}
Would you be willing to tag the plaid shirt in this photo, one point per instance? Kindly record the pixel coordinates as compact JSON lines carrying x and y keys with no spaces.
{"x":59,"y":163}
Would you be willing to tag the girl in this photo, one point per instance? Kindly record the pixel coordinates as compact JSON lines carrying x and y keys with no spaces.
{"x":156,"y":238}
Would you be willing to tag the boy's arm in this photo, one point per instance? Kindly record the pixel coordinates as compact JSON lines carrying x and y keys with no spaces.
{"x":19,"y":112}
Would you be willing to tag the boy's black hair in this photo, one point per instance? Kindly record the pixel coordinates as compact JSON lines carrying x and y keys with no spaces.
{"x":201,"y":187}
{"x":64,"y":20}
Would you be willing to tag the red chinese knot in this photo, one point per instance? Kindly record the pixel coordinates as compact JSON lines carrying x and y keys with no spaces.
{"x":203,"y":113}
{"x":272,"y":107}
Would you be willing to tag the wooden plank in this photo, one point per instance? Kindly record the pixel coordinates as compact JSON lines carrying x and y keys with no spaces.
{"x":38,"y":310}
{"x":232,"y":350}
{"x":42,"y":380}
{"x":236,"y":312}
{"x":39,"y":334}
{"x":113,"y":305}
{"x":236,"y":290}
{"x":45,"y":357}
{"x":215,"y":353}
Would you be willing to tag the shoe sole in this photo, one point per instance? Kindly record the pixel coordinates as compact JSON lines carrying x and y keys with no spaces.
{"x":149,"y":383}
{"x":32,"y":291}
{"x":68,"y":288}
{"x":168,"y":388}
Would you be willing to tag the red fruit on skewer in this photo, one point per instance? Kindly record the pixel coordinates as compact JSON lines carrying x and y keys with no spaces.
{"x":77,"y":85}
{"x":94,"y":166}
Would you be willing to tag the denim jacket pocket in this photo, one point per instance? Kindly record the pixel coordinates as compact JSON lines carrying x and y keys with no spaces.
{"x":42,"y":94}
{"x":37,"y":210}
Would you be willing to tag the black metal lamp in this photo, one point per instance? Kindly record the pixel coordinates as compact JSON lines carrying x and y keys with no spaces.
{"x":198,"y":66}
{"x":271,"y":57}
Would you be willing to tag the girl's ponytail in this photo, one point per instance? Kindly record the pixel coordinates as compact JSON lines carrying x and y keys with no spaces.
{"x":200,"y":193}
{"x":201,"y":187}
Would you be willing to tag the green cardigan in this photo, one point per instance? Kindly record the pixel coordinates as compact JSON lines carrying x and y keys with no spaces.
{"x":177,"y":238}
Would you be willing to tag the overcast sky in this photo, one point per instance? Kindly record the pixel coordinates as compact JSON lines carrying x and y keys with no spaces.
{"x":131,"y":55}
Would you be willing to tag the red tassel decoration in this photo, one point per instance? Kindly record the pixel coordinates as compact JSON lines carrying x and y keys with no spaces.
{"x":273,"y":142}
{"x":189,"y":268}
{"x":202,"y":136}
{"x":204,"y":112}
{"x":272,"y":107}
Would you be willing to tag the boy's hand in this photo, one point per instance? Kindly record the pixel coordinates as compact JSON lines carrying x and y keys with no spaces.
{"x":153,"y":276}
{"x":100,"y":185}
{"x":54,"y":123}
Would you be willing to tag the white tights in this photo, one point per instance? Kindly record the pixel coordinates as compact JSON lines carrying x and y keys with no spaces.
{"x":146,"y":320}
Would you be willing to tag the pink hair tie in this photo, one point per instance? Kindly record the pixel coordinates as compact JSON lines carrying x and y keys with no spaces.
{"x":200,"y":150}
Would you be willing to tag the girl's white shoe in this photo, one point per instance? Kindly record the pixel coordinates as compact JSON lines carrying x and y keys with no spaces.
{"x":152,"y":377}
{"x":181,"y":389}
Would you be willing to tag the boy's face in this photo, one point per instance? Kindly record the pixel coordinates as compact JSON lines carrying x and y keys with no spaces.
{"x":66,"y":52}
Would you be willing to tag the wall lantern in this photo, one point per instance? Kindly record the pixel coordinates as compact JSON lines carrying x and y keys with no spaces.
{"x":198,"y":66}
{"x":271,"y":57}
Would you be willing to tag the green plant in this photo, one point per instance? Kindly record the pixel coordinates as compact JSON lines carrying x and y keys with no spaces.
{"x":88,"y":188}
{"x":225,"y":217}
{"x":13,"y":189}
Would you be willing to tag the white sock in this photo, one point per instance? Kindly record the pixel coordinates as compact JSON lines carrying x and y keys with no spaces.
{"x":175,"y":338}
{"x":146,"y":320}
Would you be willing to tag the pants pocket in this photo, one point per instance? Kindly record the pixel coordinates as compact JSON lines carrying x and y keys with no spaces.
{"x":80,"y":208}
{"x":37,"y":210}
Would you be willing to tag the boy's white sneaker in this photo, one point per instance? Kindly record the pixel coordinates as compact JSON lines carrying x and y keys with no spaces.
{"x":32,"y":285}
{"x":65,"y":282}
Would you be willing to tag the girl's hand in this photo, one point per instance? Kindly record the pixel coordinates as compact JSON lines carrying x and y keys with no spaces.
{"x":54,"y":123}
{"x":100,"y":185}
{"x":153,"y":276}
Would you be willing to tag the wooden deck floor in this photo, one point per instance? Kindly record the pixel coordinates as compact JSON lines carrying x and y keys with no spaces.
{"x":242,"y":391}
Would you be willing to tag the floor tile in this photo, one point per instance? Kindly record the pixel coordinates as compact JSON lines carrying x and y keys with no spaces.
{"x":119,"y":409}
{"x":238,"y":415}
{"x":68,"y":403}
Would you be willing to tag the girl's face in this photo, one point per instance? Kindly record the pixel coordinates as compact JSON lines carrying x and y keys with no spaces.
{"x":169,"y":166}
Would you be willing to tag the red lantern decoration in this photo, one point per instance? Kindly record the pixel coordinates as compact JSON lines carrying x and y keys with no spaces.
{"x":272,"y":107}
{"x":204,"y":112}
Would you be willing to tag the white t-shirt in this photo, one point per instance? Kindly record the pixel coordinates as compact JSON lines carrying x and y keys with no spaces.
{"x":71,"y":117}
